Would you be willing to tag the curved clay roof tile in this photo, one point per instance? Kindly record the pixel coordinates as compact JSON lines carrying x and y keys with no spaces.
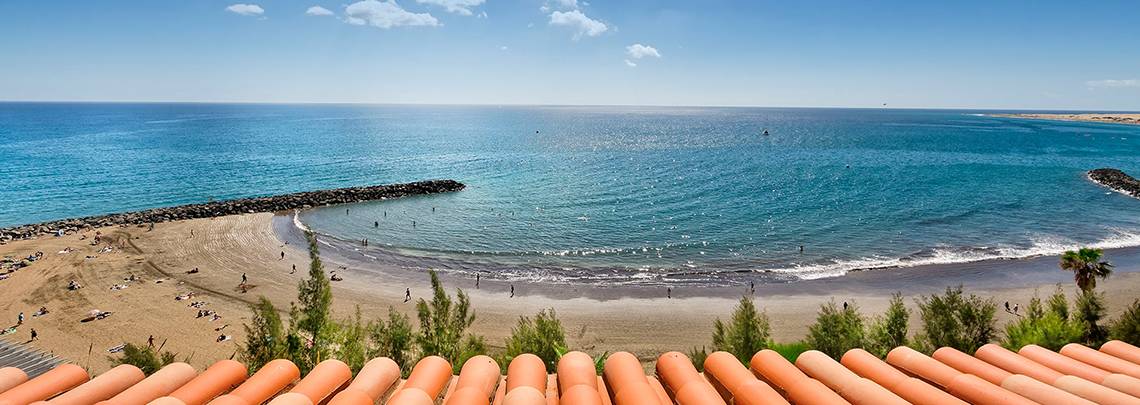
{"x":798,"y":387}
{"x":526,"y":370}
{"x":1122,"y":350}
{"x":11,"y":377}
{"x":911,"y":389}
{"x":291,"y":398}
{"x":215,"y":381}
{"x":430,"y":375}
{"x":59,"y":379}
{"x":1014,"y":363}
{"x":524,"y":395}
{"x":323,"y":380}
{"x":104,"y":386}
{"x":161,"y":383}
{"x":967,"y":387}
{"x":1084,"y":354}
{"x":744,"y":387}
{"x":376,"y":377}
{"x":853,"y":388}
{"x":273,"y":377}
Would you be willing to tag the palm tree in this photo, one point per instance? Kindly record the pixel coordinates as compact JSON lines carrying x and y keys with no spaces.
{"x":1087,"y":265}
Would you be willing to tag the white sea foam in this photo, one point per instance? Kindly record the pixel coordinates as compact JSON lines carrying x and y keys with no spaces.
{"x":1041,"y":246}
{"x":297,"y":221}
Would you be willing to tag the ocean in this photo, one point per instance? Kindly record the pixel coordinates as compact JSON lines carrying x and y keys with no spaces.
{"x":627,"y":195}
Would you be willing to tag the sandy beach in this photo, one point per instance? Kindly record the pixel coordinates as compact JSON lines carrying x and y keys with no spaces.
{"x":1113,"y":118}
{"x":597,"y":318}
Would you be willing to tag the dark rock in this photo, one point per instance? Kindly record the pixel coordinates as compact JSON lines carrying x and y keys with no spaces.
{"x":1116,"y":180}
{"x":285,"y":202}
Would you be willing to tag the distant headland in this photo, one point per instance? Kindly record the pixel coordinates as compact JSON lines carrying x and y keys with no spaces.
{"x":1111,"y":118}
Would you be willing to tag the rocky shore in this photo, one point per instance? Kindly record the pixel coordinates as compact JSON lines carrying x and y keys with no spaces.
{"x":1116,"y":180}
{"x":284,"y":202}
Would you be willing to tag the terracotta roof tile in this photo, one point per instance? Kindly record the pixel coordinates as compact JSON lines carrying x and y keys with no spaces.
{"x":1122,"y":350}
{"x":1076,"y":375}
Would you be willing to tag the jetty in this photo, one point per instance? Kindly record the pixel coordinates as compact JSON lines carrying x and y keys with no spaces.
{"x":278,"y":203}
{"x":1116,"y":180}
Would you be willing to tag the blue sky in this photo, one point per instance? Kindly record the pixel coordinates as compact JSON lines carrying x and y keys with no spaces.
{"x":991,"y":54}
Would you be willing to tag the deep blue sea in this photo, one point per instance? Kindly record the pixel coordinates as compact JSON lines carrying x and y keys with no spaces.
{"x":625,"y":194}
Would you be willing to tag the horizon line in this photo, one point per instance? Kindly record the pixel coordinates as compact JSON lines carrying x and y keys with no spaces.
{"x":368,"y":103}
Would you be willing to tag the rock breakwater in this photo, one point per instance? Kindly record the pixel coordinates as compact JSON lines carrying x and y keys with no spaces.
{"x":284,"y":202}
{"x":1116,"y":180}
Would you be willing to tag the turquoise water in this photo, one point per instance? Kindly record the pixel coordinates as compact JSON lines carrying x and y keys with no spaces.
{"x":615,"y":193}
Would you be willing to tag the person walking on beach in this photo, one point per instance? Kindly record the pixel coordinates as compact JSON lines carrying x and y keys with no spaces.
{"x":150,"y":341}
{"x":35,"y":336}
{"x":294,"y":271}
{"x":512,"y":290}
{"x":477,"y":275}
{"x":1007,"y":306}
{"x":752,"y":287}
{"x":669,"y":292}
{"x":243,"y":279}
{"x":407,"y":294}
{"x":20,"y":319}
{"x":282,"y":255}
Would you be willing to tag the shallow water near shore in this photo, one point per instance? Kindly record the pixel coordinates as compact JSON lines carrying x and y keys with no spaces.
{"x":602,"y":194}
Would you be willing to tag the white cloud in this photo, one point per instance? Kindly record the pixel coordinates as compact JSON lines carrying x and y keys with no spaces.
{"x":503,"y":48}
{"x":318,"y":11}
{"x":385,"y":14}
{"x":582,"y":24}
{"x":567,"y":4}
{"x":462,"y":7}
{"x":1113,"y":83}
{"x":246,"y":9}
{"x":630,"y":63}
{"x":638,"y":51}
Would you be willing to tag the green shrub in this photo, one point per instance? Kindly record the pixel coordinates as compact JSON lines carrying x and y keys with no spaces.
{"x":312,"y":316}
{"x":836,"y":330}
{"x":541,"y":336}
{"x":698,"y":355}
{"x":1090,"y":311}
{"x":747,"y":333}
{"x":790,"y":351}
{"x":1050,"y":329}
{"x":146,"y":358}
{"x":955,"y":320}
{"x":351,"y":337}
{"x":1127,"y":327}
{"x":890,"y":330}
{"x":443,"y":326}
{"x":393,"y":339}
{"x":265,"y":336}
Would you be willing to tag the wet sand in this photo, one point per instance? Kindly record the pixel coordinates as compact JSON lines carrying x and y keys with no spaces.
{"x":597,"y":318}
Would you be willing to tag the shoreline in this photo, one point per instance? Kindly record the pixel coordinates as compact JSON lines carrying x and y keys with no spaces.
{"x":919,"y":279}
{"x":1104,"y":118}
{"x":382,"y":263}
{"x":596,"y":318}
